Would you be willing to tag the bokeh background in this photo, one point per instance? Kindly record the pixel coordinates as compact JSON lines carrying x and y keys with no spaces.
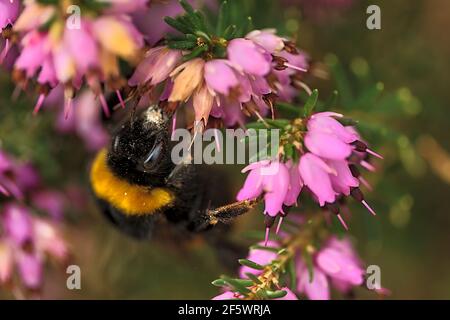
{"x":395,"y":80}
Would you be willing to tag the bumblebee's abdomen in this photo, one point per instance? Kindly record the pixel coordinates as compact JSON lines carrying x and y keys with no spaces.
{"x":132,"y":200}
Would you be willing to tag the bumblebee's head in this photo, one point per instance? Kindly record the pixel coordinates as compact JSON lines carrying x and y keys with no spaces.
{"x":140,"y":149}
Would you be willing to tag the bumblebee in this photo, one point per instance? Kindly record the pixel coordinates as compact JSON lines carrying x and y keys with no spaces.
{"x":138,"y":186}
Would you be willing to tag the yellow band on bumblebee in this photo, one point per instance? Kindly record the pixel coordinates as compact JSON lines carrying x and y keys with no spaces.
{"x":130,"y":199}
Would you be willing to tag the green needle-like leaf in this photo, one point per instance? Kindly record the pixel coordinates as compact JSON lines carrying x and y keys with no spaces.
{"x":252,"y":277}
{"x":310,"y":103}
{"x":275,"y":294}
{"x":178,"y":25}
{"x":195,"y":53}
{"x":251,"y":264}
{"x":219,"y":283}
{"x":221,"y":19}
{"x":236,"y":284}
{"x":292,"y":271}
{"x":182,"y":44}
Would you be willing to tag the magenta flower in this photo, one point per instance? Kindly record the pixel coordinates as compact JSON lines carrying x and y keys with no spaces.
{"x":248,"y":57}
{"x":343,"y":180}
{"x":288,"y":81}
{"x":73,"y":56}
{"x":156,"y":67}
{"x":316,"y":288}
{"x":315,"y":173}
{"x":26,"y":241}
{"x":30,"y":270}
{"x":87,"y":58}
{"x":328,"y":153}
{"x":84,"y":121}
{"x":220,"y":77}
{"x":9,"y":11}
{"x":270,"y":178}
{"x":328,"y":169}
{"x":339,"y":261}
{"x":267,"y":39}
{"x":337,"y":264}
{"x":295,"y":185}
{"x":17,"y":223}
{"x":225,"y":86}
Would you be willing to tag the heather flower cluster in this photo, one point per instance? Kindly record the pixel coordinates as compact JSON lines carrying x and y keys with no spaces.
{"x":335,"y":264}
{"x":72,"y":51}
{"x":221,"y":75}
{"x":328,"y":156}
{"x":27,"y":241}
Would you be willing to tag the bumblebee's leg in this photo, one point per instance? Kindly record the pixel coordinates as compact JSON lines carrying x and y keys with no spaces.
{"x":222,"y":214}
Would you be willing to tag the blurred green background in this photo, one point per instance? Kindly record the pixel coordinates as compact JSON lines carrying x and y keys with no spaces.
{"x":408,"y":123}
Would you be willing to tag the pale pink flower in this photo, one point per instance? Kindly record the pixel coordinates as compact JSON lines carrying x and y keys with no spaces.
{"x":17,"y":223}
{"x":295,"y":184}
{"x":9,"y":11}
{"x":48,"y":240}
{"x":156,"y":67}
{"x":30,"y":267}
{"x":343,"y":180}
{"x":36,"y":47}
{"x":327,"y":146}
{"x":220,"y":77}
{"x":339,"y":261}
{"x":84,"y":121}
{"x":249,"y":57}
{"x":329,"y":169}
{"x":267,"y":39}
{"x":316,"y":288}
{"x":315,"y":173}
{"x":82,"y":46}
{"x":270,"y":178}
{"x":335,"y":263}
{"x":76,"y":56}
{"x":26,"y":241}
{"x":259,"y":256}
